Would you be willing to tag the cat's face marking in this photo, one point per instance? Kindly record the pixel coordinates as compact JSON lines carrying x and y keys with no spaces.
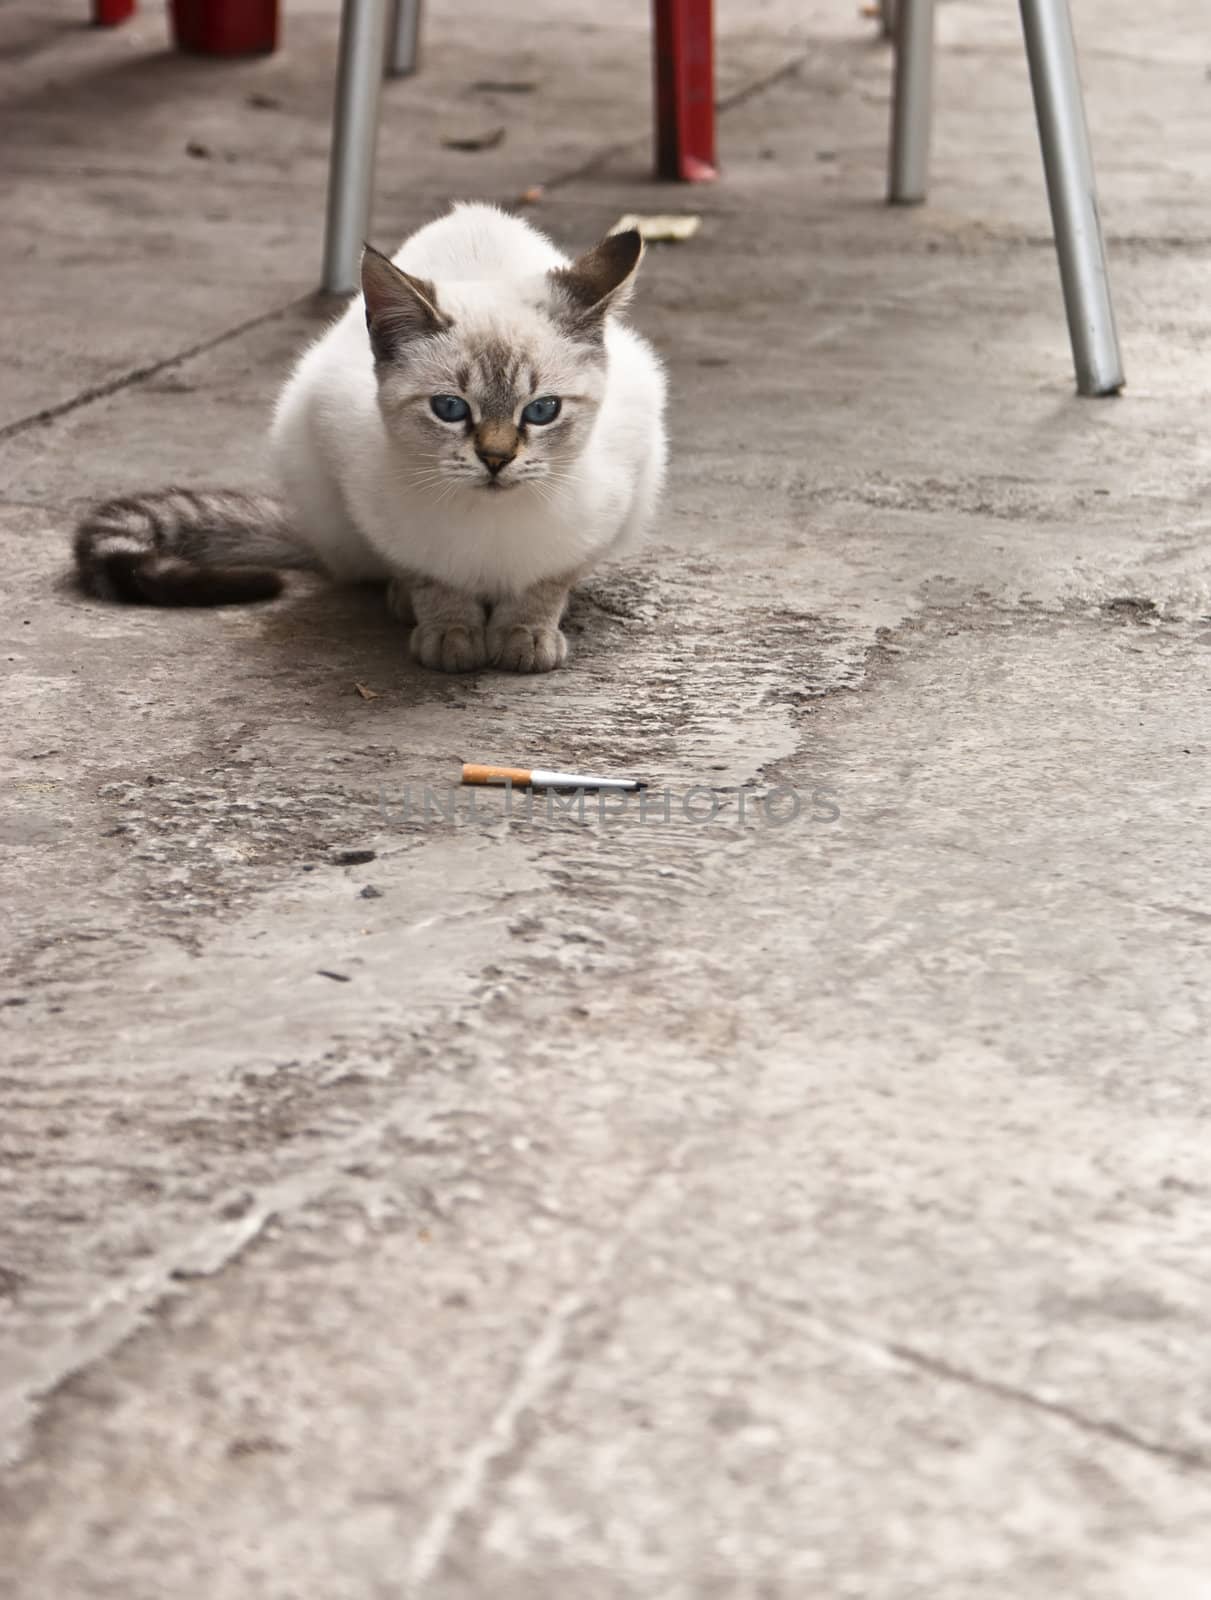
{"x":490,"y":395}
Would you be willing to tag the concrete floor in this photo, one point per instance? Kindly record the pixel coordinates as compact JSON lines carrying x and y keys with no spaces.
{"x":660,"y":1210}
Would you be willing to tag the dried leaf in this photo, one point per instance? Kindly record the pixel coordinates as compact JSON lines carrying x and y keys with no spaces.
{"x":366,"y":693}
{"x":673,"y":229}
{"x":476,"y":141}
{"x":532,"y":195}
{"x":504,"y":86}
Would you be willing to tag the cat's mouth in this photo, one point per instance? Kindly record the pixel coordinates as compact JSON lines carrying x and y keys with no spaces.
{"x":497,"y":484}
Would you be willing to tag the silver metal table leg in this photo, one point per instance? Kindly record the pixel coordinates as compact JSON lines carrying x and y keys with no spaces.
{"x":359,"y":74}
{"x":1068,"y":163}
{"x":912,"y":102}
{"x":404,"y":37}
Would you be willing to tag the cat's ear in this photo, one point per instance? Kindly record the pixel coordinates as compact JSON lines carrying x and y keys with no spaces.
{"x":598,"y":282}
{"x":398,"y":306}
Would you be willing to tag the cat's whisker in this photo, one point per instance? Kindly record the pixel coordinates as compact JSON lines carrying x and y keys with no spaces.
{"x":423,"y":477}
{"x":563,"y":485}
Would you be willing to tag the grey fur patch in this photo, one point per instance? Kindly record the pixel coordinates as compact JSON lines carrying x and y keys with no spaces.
{"x":498,"y":368}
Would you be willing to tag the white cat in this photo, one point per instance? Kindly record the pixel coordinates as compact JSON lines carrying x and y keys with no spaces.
{"x":477,"y":429}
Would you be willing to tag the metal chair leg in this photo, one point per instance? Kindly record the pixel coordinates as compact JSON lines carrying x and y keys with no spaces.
{"x":404,"y":38}
{"x":1068,"y":163}
{"x":912,"y":102}
{"x":359,"y":75}
{"x":887,"y":18}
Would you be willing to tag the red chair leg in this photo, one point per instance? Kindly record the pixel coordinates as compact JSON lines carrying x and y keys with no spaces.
{"x":683,"y":48}
{"x":108,"y":13}
{"x":225,"y":27}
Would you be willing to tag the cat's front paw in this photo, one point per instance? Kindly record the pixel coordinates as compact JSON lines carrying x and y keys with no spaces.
{"x":521,"y":647}
{"x":449,"y":647}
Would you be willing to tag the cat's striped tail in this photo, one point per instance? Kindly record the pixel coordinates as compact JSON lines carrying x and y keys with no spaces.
{"x":183,"y":547}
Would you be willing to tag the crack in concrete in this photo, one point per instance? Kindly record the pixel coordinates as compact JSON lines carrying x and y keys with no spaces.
{"x":125,"y":380}
{"x":886,"y":1353}
{"x":723,"y":104}
{"x":750,"y":91}
{"x":202,"y":1253}
{"x":1098,"y":1426}
{"x":542,"y":1365}
{"x":1117,"y":896}
{"x":539,"y":1370}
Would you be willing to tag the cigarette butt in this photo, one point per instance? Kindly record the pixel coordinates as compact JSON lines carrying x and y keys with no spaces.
{"x":540,"y":778}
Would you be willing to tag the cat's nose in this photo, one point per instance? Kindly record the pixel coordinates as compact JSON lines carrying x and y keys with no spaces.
{"x":496,"y":441}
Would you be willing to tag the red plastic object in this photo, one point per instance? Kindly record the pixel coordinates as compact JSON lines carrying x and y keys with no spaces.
{"x":225,"y":27}
{"x":683,"y":43}
{"x":109,"y":13}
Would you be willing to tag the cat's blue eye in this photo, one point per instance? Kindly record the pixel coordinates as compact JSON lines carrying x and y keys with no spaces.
{"x":450,"y":407}
{"x":541,"y":411}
